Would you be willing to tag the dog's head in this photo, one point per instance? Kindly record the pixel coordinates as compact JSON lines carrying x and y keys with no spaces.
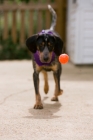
{"x":46,"y":44}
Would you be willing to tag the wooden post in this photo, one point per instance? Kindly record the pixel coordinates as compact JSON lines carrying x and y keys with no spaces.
{"x":31,"y":13}
{"x":14,"y":26}
{"x":5,"y":33}
{"x":48,"y":19}
{"x":60,"y":24}
{"x":22,"y":30}
{"x":39,"y":24}
{"x":31,"y":20}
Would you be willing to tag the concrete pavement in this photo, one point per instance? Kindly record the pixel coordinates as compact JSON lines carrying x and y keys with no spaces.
{"x":69,"y":119}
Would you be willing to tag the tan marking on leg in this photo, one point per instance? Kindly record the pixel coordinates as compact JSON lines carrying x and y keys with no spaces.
{"x":55,"y":97}
{"x":46,"y":86}
{"x":38,"y":104}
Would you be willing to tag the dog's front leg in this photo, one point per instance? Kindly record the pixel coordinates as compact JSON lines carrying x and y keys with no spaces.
{"x":38,"y":104}
{"x":58,"y":91}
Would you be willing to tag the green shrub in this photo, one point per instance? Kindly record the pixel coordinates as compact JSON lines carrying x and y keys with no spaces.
{"x":10,"y":50}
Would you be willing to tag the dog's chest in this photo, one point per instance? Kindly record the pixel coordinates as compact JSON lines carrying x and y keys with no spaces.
{"x":47,"y":68}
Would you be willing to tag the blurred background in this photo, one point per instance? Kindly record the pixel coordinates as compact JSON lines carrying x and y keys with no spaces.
{"x":20,"y":19}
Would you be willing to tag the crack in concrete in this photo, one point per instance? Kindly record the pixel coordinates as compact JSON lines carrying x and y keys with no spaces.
{"x":13,"y":94}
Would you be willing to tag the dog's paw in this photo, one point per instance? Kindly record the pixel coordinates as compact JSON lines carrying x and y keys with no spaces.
{"x":54,"y":99}
{"x":38,"y":106}
{"x":60,"y":93}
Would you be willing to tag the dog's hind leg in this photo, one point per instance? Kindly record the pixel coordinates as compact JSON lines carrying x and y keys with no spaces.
{"x":58,"y":91}
{"x":46,"y":86}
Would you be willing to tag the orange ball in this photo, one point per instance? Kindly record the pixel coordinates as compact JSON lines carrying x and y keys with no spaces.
{"x":63,"y":58}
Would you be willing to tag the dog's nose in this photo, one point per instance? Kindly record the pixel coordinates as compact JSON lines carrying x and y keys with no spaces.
{"x":46,"y":58}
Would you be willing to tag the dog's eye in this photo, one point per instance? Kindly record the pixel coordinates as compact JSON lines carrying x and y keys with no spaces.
{"x":50,"y":47}
{"x":41,"y":44}
{"x":50,"y":44}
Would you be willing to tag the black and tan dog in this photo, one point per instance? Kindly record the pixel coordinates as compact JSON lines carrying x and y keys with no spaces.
{"x":46,"y":47}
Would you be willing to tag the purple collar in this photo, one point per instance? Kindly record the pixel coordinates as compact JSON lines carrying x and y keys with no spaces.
{"x":36,"y":57}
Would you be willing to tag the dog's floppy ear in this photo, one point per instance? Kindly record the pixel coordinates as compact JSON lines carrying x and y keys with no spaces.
{"x":58,"y":46}
{"x":31,"y":43}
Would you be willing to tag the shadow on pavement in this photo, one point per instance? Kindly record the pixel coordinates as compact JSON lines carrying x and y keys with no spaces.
{"x":49,"y":111}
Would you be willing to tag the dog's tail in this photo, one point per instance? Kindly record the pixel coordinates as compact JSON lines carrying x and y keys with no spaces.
{"x":54,"y":17}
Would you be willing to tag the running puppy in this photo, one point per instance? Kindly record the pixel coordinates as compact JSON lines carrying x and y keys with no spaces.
{"x":45,"y":48}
